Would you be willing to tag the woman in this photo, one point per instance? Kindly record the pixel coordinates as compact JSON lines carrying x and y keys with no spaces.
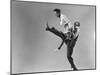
{"x":74,"y":32}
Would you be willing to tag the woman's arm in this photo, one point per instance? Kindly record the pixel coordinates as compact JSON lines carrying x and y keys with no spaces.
{"x":77,"y":33}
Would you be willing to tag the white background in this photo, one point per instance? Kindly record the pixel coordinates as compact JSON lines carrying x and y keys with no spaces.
{"x":5,"y":36}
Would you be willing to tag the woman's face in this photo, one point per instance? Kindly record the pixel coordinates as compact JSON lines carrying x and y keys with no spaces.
{"x":76,"y":25}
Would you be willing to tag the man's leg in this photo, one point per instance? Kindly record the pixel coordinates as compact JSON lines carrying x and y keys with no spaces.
{"x":56,"y":32}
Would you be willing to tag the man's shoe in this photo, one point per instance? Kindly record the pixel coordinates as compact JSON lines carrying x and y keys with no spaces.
{"x":47,"y":28}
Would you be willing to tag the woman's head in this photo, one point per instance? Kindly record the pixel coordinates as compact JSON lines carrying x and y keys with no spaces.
{"x":76,"y":24}
{"x":57,"y":12}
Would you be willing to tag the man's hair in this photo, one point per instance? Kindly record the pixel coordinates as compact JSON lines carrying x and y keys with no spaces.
{"x":77,"y":23}
{"x":57,"y":10}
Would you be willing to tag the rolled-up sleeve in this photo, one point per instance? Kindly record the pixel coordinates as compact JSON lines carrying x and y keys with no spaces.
{"x":63,"y":19}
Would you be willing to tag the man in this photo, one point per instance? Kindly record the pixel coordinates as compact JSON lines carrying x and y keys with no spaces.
{"x":68,"y":40}
{"x":64,"y":21}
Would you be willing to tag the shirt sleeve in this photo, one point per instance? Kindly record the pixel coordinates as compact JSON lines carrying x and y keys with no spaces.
{"x":63,"y":20}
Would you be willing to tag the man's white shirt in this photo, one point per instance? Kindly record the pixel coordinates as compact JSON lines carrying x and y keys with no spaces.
{"x":64,"y":20}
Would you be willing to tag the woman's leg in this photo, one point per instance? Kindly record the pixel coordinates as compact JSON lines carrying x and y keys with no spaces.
{"x":73,"y":42}
{"x":69,"y":56}
{"x":61,"y":44}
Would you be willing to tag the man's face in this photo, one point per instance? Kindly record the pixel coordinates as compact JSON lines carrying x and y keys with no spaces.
{"x":56,"y":14}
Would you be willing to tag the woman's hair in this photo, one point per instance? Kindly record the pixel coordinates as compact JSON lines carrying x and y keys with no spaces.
{"x":77,"y":23}
{"x":57,"y":10}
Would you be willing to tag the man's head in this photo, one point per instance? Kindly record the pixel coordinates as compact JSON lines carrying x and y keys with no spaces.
{"x":76,"y":24}
{"x":57,"y":12}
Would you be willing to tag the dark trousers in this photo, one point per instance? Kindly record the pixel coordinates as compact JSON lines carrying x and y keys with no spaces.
{"x":70,"y":47}
{"x":69,"y":43}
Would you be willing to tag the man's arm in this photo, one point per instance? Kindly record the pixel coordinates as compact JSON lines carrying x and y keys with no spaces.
{"x":77,"y":33}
